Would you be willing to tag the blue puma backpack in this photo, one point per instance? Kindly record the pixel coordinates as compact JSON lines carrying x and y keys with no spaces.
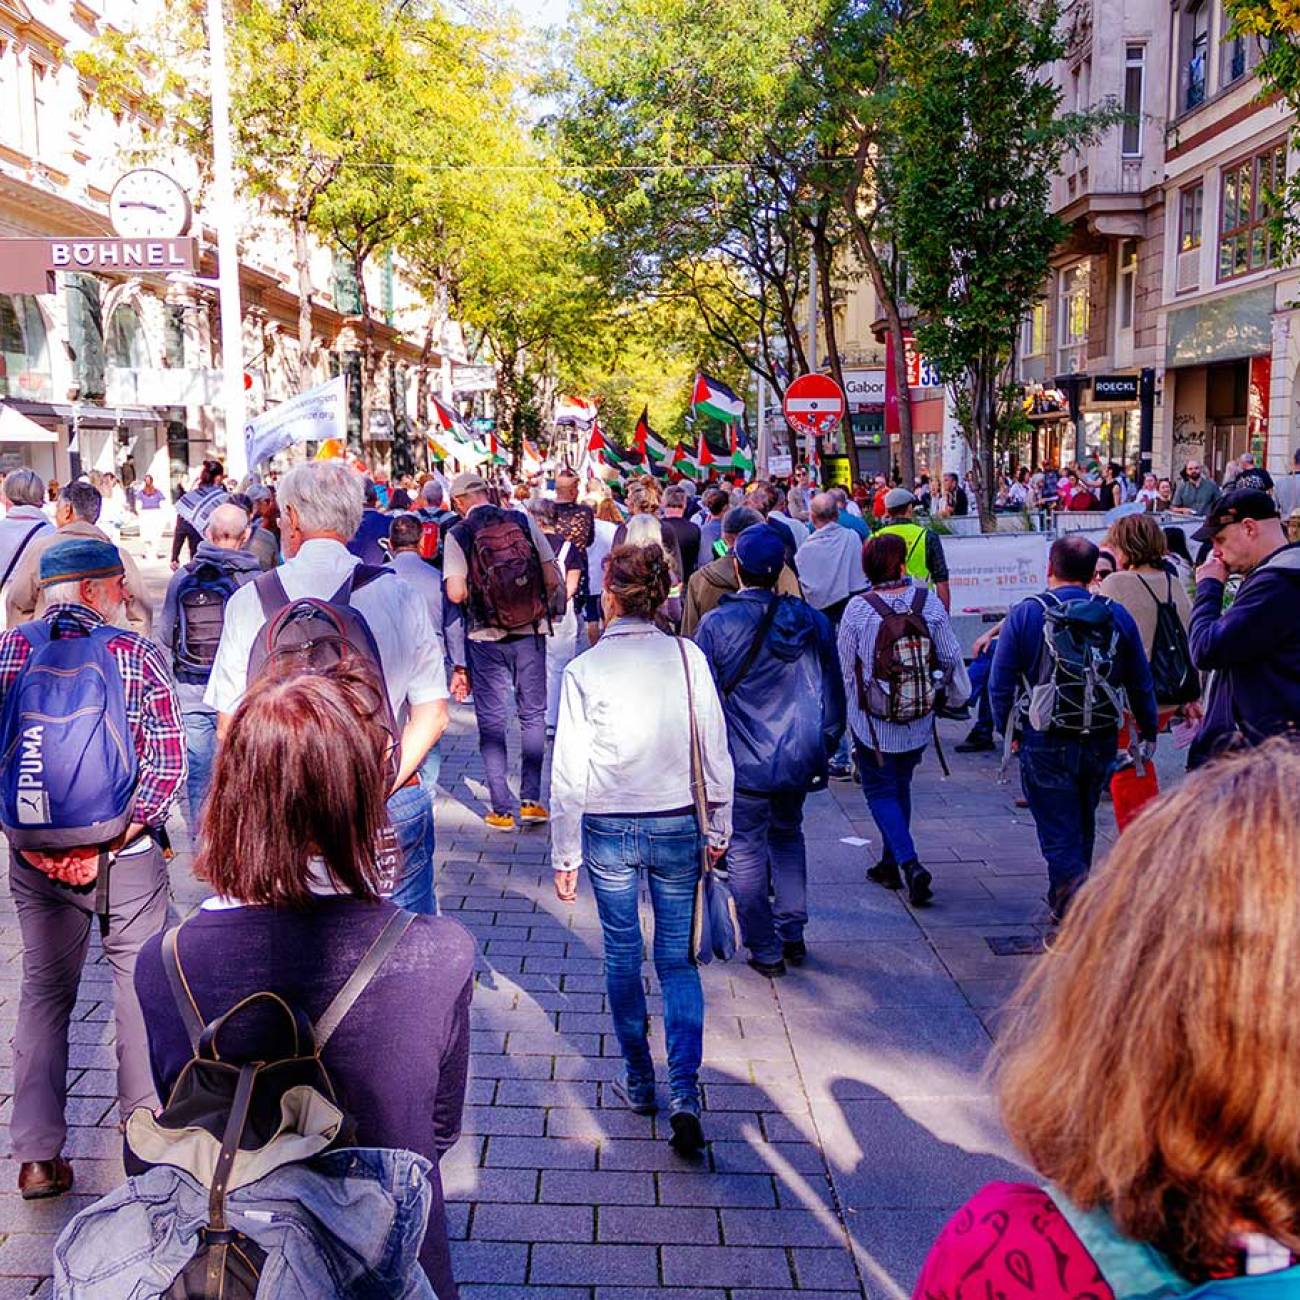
{"x":70,"y":766}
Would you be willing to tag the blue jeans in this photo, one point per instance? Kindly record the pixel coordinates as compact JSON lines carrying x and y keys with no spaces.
{"x":410,"y":812}
{"x":981,"y":669}
{"x":429,"y":771}
{"x":769,"y":871}
{"x":887,"y":783}
{"x":668,"y":847}
{"x":201,"y":747}
{"x":497,"y":670}
{"x":1063,"y":780}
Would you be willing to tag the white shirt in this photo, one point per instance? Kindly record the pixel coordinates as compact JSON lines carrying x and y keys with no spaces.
{"x":398,"y":620}
{"x":601,"y":545}
{"x":797,"y":530}
{"x":620,"y":749}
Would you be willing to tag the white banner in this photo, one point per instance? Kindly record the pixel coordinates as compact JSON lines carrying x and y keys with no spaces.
{"x":995,"y":571}
{"x":313,"y":416}
{"x":779,"y":464}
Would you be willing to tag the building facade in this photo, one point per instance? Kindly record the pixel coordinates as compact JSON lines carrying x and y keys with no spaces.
{"x":123,"y":371}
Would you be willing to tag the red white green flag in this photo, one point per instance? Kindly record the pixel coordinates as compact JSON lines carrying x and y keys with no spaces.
{"x":714,"y":398}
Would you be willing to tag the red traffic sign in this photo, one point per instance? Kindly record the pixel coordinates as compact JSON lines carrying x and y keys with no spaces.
{"x":814,"y":404}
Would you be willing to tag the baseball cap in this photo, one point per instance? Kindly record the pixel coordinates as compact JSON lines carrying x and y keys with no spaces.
{"x":463,"y":484}
{"x":1232,"y":508}
{"x":760,"y":551}
{"x":897,"y":497}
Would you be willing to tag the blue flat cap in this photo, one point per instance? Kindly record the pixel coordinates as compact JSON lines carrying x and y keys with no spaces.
{"x":78,"y":559}
{"x":760,"y":551}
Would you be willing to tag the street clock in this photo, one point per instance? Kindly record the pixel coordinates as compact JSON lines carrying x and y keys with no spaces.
{"x":149,"y":204}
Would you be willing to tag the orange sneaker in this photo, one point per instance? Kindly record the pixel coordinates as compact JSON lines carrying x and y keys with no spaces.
{"x":499,"y":821}
{"x":533,"y":814}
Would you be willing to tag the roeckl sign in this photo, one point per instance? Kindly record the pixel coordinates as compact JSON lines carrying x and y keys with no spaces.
{"x":28,"y":265}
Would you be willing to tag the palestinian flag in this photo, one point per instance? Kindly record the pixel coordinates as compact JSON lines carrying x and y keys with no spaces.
{"x":686,"y":464}
{"x":450,"y":421}
{"x":498,"y":456}
{"x":602,"y":453}
{"x":714,"y":398}
{"x":705,"y":458}
{"x":575,"y":412}
{"x":654,"y":451}
{"x":742,"y":455}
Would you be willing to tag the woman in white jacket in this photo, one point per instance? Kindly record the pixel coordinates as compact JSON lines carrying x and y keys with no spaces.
{"x":621,"y":801}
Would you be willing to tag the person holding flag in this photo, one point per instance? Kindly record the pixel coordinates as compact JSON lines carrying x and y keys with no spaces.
{"x":653,"y":450}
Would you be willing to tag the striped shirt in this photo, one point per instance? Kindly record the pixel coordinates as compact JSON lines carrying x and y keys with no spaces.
{"x":857,"y":641}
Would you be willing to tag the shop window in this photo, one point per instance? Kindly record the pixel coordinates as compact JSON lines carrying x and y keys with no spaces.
{"x":24,"y":355}
{"x":1134,"y":78}
{"x":1127,"y":283}
{"x":1193,"y":48}
{"x":86,"y":334}
{"x":1074,"y":314}
{"x":1247,"y":210}
{"x":1191,"y":209}
{"x":126,"y":346}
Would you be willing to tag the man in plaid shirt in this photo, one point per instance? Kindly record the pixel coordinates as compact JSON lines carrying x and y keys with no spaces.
{"x":83,"y":584}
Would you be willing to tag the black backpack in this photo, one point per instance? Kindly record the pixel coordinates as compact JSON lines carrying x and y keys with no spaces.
{"x":278,"y":1112}
{"x":1072,"y":692}
{"x":1173,"y":674}
{"x":201,"y":598}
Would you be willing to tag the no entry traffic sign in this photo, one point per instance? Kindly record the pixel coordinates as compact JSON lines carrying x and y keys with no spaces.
{"x":814,"y":404}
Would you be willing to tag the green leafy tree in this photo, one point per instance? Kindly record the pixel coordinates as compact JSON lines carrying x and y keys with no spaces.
{"x":978,"y":134}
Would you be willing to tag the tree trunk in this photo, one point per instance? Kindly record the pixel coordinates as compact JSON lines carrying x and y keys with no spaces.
{"x":894,"y":320}
{"x":826,"y":292}
{"x":367,"y":351}
{"x":302,"y":265}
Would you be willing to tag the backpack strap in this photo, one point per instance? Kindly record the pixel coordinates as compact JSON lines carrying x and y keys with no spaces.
{"x":882,"y":607}
{"x":919,"y":599}
{"x":361,"y":576}
{"x":1131,"y":1268}
{"x":271,"y":592}
{"x":366,"y":970}
{"x":18,"y":553}
{"x":181,"y":995}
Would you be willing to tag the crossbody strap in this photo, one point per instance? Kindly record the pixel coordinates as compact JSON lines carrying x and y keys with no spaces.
{"x":18,"y":554}
{"x":697,"y":764}
{"x":764,"y":627}
{"x":366,"y":970}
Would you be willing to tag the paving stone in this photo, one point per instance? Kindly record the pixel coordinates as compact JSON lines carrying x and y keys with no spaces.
{"x":678,"y":1188}
{"x":531,"y":1223}
{"x":755,"y":1227}
{"x":540,"y":1153}
{"x":728,"y":1266}
{"x":614,"y":1187}
{"x":489,"y":1261}
{"x":678,"y":1225}
{"x":592,"y":1265}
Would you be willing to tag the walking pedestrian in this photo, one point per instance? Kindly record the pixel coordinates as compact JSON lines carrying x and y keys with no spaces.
{"x":1081,"y":660}
{"x":22,"y":495}
{"x":686,"y":534}
{"x":322,"y":503}
{"x":621,"y":793}
{"x":716,"y":502}
{"x":830,"y":573}
{"x":1197,"y":493}
{"x":189,"y":629}
{"x":604,"y":529}
{"x":1253,"y":647}
{"x":1148,"y":1068}
{"x":562,"y":635}
{"x":497,"y":564}
{"x":774,"y":663}
{"x":289,"y":853}
{"x":195,"y":507}
{"x":405,"y":534}
{"x":76,"y":514}
{"x":371,"y":531}
{"x":575,"y":522}
{"x":85,"y":849}
{"x":898,"y":655}
{"x":432,"y":509}
{"x":1286,"y":490}
{"x":925,"y":558}
{"x":151,"y":510}
{"x":709,"y":584}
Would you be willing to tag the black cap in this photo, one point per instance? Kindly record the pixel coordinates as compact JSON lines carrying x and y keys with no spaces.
{"x":1232,"y":508}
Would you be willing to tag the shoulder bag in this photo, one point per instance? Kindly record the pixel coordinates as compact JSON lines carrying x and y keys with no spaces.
{"x":715,"y":927}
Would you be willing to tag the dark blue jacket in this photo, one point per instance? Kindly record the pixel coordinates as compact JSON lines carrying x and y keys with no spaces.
{"x":1021,"y":643}
{"x":365,"y":544}
{"x":786,"y":717}
{"x":1254,"y":650}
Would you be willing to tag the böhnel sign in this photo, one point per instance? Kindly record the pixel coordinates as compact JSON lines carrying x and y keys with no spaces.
{"x":115,"y":254}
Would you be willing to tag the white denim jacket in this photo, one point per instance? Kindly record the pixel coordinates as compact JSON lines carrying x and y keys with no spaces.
{"x":622,"y":744}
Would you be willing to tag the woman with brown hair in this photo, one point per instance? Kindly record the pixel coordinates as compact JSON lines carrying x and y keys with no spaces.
{"x":1150,"y":1069}
{"x":288,"y":844}
{"x":621,"y":802}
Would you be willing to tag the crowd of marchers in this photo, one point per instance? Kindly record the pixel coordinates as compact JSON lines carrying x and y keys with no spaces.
{"x":699,"y":664}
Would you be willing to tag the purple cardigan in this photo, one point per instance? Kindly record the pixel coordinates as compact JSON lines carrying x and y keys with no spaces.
{"x":399,"y":1059}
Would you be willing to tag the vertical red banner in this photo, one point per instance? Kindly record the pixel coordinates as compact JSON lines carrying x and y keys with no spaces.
{"x":891,"y":386}
{"x":1257,"y":397}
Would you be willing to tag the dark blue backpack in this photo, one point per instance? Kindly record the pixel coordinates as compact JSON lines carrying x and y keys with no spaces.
{"x":201,"y":598}
{"x":70,"y":766}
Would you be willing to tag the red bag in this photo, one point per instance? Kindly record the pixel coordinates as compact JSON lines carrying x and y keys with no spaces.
{"x":1130,"y":793}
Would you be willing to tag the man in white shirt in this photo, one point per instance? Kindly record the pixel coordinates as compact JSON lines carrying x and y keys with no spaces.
{"x":321,"y":504}
{"x":1286,"y":490}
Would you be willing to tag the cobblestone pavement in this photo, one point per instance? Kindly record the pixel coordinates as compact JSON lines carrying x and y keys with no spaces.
{"x":846,"y":1105}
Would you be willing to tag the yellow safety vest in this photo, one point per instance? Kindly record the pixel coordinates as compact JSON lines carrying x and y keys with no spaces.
{"x":913,"y":536}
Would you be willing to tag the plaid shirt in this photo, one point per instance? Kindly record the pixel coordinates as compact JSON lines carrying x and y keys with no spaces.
{"x":151,"y":706}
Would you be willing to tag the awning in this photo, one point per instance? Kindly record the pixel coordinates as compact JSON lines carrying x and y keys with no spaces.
{"x":16,"y":427}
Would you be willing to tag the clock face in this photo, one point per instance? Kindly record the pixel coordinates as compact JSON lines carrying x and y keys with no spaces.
{"x":149,"y":204}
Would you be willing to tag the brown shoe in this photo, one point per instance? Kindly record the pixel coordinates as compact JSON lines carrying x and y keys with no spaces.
{"x":38,"y":1179}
